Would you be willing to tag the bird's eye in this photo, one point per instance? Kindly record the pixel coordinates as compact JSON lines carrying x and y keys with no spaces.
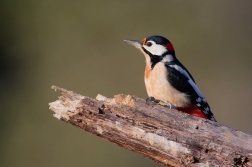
{"x":148,"y":44}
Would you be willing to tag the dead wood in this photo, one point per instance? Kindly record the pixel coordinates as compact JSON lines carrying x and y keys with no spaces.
{"x":169,"y":137}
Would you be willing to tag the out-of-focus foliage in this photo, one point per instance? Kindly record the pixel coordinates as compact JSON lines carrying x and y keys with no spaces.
{"x":78,"y":45}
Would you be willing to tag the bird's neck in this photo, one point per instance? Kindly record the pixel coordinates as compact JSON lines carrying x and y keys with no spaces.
{"x":165,"y":58}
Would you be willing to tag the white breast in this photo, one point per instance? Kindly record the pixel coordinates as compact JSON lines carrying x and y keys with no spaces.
{"x":157,"y":85}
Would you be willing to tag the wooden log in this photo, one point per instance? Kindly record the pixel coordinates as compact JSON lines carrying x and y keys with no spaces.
{"x":164,"y":135}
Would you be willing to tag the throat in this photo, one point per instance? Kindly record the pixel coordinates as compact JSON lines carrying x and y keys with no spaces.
{"x":154,"y":60}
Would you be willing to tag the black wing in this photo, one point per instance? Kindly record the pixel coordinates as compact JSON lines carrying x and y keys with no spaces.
{"x":180,"y":80}
{"x":182,"y":66}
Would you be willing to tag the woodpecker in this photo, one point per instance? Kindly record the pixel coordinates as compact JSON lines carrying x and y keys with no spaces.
{"x":167,"y":81}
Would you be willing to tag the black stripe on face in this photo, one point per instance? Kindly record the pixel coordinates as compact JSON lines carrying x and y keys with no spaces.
{"x":153,"y":58}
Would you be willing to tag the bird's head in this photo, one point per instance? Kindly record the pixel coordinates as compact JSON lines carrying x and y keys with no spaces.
{"x":155,"y":48}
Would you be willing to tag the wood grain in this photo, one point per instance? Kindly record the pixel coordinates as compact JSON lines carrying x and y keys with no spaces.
{"x":169,"y":137}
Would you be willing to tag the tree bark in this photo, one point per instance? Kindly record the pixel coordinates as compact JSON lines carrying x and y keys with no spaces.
{"x":164,"y":135}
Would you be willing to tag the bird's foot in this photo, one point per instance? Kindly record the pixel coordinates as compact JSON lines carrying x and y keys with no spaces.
{"x":152,"y":99}
{"x":160,"y":102}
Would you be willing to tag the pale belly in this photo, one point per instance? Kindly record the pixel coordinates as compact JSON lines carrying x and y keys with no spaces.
{"x":157,"y":86}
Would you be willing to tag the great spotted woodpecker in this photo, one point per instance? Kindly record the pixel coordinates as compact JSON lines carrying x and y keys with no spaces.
{"x":167,"y":81}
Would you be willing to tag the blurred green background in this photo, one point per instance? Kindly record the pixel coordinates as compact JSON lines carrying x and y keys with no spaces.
{"x":78,"y":45}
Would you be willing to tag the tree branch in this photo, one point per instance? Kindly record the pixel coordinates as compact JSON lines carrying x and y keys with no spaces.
{"x":169,"y":137}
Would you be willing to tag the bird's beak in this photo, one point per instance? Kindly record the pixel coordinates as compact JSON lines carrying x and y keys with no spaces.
{"x":135,"y":43}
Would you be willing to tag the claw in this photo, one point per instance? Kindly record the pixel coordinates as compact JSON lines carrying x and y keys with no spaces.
{"x":161,"y":103}
{"x":166,"y":104}
{"x":152,"y":99}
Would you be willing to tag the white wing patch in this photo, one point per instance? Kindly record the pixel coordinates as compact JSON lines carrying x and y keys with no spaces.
{"x":182,"y":71}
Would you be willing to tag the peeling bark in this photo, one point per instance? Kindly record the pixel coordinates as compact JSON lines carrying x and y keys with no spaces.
{"x":164,"y":135}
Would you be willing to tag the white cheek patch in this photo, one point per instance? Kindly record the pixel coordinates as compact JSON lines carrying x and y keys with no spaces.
{"x":155,"y":49}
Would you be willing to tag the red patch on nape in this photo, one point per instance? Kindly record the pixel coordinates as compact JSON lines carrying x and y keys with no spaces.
{"x":169,"y":46}
{"x":193,"y":111}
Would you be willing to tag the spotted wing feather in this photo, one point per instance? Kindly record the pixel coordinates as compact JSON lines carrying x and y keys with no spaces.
{"x":181,"y":80}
